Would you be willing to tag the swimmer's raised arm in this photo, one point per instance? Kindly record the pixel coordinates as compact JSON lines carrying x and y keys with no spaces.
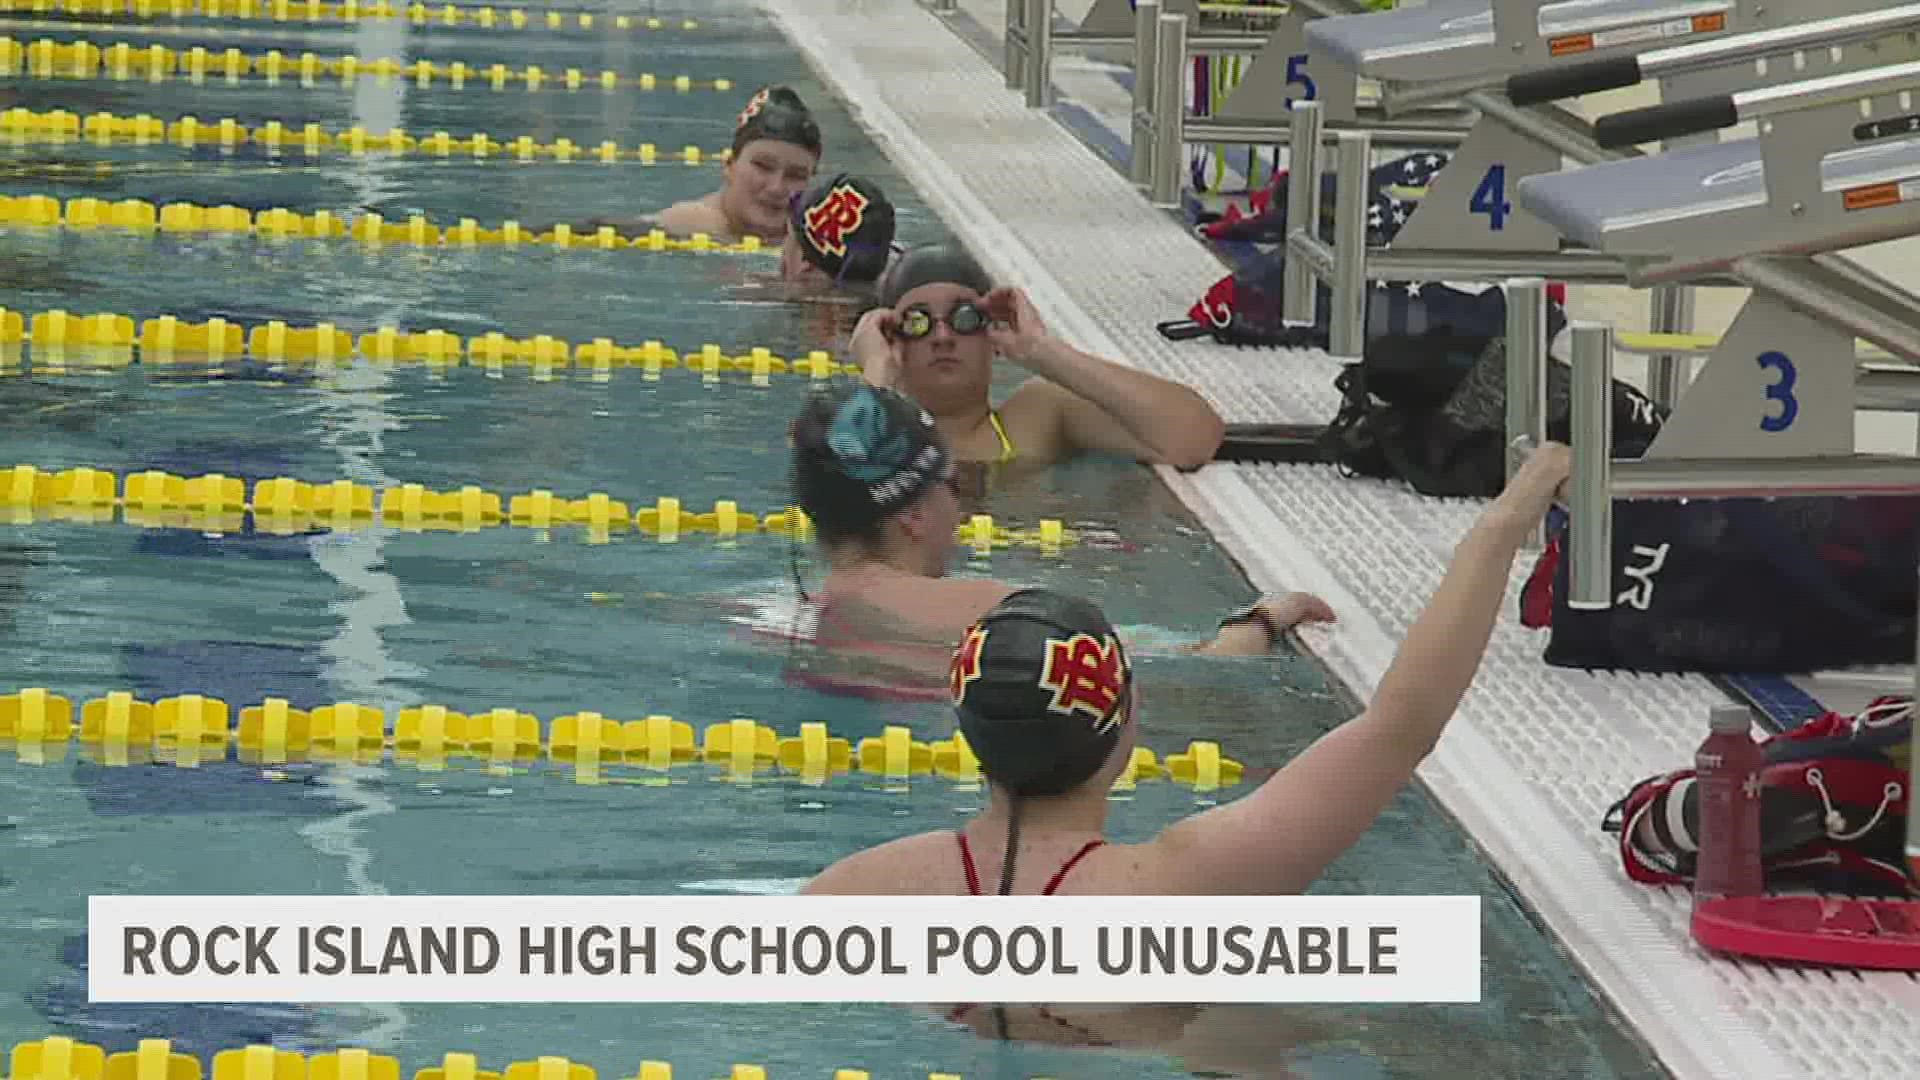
{"x":1280,"y":838}
{"x":1091,"y":403}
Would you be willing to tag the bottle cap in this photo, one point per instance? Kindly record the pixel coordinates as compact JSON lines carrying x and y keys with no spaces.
{"x":1730,"y":720}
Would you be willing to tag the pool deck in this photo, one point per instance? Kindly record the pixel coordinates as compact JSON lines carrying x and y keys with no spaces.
{"x":1536,"y":754}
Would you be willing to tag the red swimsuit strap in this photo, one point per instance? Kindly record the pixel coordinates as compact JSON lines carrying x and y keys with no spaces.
{"x":966,"y":860}
{"x":973,"y":889}
{"x":1059,"y":876}
{"x":1067,"y":867}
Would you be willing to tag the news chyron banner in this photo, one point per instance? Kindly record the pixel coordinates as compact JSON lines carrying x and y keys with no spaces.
{"x":710,"y":949}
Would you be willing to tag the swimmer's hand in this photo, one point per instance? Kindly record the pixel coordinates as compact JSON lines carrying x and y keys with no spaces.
{"x":1017,"y":331}
{"x":1257,"y":634}
{"x":1533,"y":489}
{"x":876,"y":347}
{"x":1295,"y":608}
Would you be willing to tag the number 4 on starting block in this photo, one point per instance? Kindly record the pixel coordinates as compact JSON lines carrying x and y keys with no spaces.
{"x":1470,"y":205}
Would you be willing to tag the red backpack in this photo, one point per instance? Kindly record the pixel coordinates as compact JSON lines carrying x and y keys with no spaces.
{"x":1833,"y":807}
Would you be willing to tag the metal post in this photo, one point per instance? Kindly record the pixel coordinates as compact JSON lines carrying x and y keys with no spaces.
{"x":1015,"y":65}
{"x":1590,"y":532}
{"x":1347,"y":332}
{"x":1169,"y":107}
{"x":1039,"y":53}
{"x":1852,"y":476}
{"x":1299,"y":287}
{"x":1672,"y":314}
{"x":1146,"y":38}
{"x":1526,"y":376}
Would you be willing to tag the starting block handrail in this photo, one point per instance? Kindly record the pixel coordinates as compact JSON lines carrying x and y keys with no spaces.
{"x":1030,"y":38}
{"x":1801,"y":307}
{"x":1598,"y":479}
{"x":1440,"y":240}
{"x":1830,"y":169}
{"x":1169,"y":120}
{"x":1511,"y":35}
{"x":1347,"y":264}
{"x":1527,"y":141}
{"x":1715,"y":112}
{"x":1163,"y":39}
{"x":1615,"y":73}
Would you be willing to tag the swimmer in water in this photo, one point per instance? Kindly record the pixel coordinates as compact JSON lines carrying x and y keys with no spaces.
{"x":776,"y":148}
{"x":1051,"y":743}
{"x":875,"y":476}
{"x":934,"y":336}
{"x":840,"y":233}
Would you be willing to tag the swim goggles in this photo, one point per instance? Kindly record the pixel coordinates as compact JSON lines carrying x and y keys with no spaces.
{"x":966,"y":319}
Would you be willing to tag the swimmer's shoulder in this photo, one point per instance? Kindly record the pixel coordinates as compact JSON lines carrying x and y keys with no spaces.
{"x":943,"y":608}
{"x":1034,"y":419}
{"x":700,"y":215}
{"x":936,"y":610}
{"x":924,"y":864}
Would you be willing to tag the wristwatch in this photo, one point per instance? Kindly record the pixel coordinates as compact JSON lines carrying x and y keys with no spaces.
{"x":1254,"y":613}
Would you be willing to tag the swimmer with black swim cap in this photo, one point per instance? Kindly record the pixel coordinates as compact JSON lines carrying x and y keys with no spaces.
{"x":876,"y":478}
{"x":1046,"y":697}
{"x":776,"y":148}
{"x":940,"y":322}
{"x":840,"y":233}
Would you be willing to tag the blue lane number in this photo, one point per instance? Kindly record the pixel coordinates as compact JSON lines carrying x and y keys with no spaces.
{"x":1297,"y":76}
{"x":1781,"y":390}
{"x":1490,"y":198}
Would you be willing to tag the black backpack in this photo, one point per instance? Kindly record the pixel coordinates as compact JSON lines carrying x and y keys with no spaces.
{"x":1430,"y":409}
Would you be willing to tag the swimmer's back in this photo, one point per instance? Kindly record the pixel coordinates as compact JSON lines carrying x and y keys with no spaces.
{"x":934,"y":611}
{"x":931,"y":864}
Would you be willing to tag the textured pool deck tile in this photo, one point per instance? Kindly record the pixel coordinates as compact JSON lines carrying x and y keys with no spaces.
{"x":1536,"y":754}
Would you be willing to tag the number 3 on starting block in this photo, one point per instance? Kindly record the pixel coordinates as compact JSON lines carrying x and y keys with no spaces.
{"x":1780,"y":390}
{"x":1778,"y":384}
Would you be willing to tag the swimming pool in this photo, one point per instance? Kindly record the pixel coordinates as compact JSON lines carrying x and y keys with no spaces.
{"x":549,"y":622}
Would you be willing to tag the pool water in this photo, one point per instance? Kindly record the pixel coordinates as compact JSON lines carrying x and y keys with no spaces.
{"x":555,"y":622}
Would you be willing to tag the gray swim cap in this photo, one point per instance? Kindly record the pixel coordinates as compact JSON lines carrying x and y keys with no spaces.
{"x":932,"y":264}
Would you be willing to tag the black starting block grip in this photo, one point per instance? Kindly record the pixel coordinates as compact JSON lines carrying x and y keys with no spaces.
{"x":1573,"y":80}
{"x":1656,"y":123}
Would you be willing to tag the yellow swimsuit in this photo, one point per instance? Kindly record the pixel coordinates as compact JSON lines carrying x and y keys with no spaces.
{"x":1007,"y":452}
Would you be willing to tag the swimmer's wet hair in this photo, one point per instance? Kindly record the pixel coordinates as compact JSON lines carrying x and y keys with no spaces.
{"x":778,"y":113}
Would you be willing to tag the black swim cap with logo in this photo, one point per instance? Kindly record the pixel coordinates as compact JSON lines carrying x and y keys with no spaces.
{"x":777,"y":113}
{"x":1041,"y":685}
{"x":932,"y":264}
{"x":845,"y":226}
{"x":860,"y":453}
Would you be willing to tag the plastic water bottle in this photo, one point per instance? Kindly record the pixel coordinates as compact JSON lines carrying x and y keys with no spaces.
{"x":1727,"y":776}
